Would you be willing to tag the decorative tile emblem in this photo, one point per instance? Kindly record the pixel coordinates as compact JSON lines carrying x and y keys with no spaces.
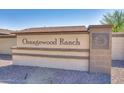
{"x":100,"y":40}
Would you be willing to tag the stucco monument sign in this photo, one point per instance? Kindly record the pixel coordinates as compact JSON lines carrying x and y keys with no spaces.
{"x":74,"y":48}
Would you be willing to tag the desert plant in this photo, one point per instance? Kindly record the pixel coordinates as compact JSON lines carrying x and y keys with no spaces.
{"x":116,"y":19}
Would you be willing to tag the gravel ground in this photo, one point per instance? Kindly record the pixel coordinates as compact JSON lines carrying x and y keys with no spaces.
{"x":34,"y":75}
{"x":14,"y":74}
{"x":117,"y":75}
{"x":117,"y":72}
{"x":57,"y":76}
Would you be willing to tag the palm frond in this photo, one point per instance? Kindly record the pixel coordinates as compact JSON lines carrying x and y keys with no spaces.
{"x":116,"y":19}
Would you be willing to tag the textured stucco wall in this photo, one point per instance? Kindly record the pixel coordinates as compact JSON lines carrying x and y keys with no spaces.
{"x":118,"y":46}
{"x":83,"y":38}
{"x":60,"y":63}
{"x":54,"y":56}
{"x":6,"y":45}
{"x":92,"y":54}
{"x":100,"y":49}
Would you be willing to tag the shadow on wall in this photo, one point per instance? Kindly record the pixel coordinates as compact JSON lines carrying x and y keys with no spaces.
{"x":118,"y":63}
{"x":5,"y":57}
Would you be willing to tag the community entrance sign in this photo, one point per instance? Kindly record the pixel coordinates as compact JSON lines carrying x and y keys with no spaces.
{"x":55,"y":41}
{"x":71,"y":48}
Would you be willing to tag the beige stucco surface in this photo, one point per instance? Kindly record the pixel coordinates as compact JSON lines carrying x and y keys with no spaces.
{"x":47,"y":52}
{"x":117,"y":48}
{"x":6,"y":44}
{"x":100,"y":57}
{"x":82,"y":38}
{"x":61,"y":63}
{"x":56,"y":61}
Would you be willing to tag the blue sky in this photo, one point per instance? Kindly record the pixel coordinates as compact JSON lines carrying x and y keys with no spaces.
{"x":21,"y":19}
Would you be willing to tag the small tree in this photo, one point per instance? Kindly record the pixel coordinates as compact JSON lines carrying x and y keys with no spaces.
{"x":116,"y":19}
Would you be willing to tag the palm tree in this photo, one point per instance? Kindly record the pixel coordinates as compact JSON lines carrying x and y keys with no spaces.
{"x":116,"y":19}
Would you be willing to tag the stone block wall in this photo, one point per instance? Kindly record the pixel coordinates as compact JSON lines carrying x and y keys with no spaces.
{"x":100,"y":48}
